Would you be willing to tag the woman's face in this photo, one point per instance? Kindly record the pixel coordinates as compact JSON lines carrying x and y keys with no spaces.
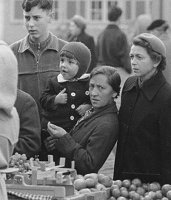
{"x":74,"y":29}
{"x":101,"y":93}
{"x":142,"y":64}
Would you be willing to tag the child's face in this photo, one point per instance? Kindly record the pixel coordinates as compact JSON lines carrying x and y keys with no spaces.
{"x":68,"y":67}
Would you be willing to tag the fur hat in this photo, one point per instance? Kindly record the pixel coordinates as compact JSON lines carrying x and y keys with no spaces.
{"x":156,"y":44}
{"x":79,"y":21}
{"x":81,"y":52}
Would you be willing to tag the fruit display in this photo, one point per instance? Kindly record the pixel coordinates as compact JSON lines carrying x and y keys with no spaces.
{"x":92,"y":182}
{"x":136,"y":190}
{"x":122,"y":190}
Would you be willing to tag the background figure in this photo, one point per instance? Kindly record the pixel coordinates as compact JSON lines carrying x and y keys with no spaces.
{"x":112,"y":44}
{"x":144,"y":143}
{"x":9,"y":121}
{"x":91,"y":140}
{"x":77,"y":33}
{"x":29,"y":136}
{"x":66,"y":97}
{"x":141,"y":24}
{"x":160,"y":28}
{"x":38,"y":52}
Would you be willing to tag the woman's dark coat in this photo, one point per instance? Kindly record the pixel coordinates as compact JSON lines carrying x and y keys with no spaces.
{"x":144,"y":145}
{"x":91,"y":141}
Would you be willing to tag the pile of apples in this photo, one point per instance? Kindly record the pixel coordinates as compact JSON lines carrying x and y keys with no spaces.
{"x":122,"y":190}
{"x":136,"y":190}
{"x":92,"y":182}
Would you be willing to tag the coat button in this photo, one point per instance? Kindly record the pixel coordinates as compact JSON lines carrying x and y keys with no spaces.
{"x":73,"y":94}
{"x":87,"y":93}
{"x":72,"y":118}
{"x":73,"y":106}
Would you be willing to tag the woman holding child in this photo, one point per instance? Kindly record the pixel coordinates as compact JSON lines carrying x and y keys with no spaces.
{"x":91,"y":140}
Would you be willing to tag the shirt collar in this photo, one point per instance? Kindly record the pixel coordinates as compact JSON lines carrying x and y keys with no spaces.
{"x":61,"y":79}
{"x":53,"y":44}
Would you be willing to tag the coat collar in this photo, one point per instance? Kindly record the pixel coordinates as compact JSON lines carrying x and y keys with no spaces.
{"x":150,"y":87}
{"x":111,"y":108}
{"x":53,"y":44}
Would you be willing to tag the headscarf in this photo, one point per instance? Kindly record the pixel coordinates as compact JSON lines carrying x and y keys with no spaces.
{"x":9,"y":121}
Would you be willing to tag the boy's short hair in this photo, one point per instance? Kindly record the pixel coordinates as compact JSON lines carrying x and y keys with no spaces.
{"x":27,"y":5}
{"x":114,"y":13}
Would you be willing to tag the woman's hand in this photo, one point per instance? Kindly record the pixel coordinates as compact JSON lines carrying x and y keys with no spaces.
{"x":55,"y":131}
{"x":83,"y":108}
{"x":50,"y":143}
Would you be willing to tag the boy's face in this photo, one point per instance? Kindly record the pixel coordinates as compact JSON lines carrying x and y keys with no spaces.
{"x":36,"y":22}
{"x":68,"y":67}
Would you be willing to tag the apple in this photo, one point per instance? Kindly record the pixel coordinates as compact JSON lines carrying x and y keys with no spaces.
{"x":126,"y":183}
{"x":100,"y":187}
{"x":165,"y":188}
{"x":116,"y":193}
{"x":90,"y":183}
{"x":94,"y":176}
{"x":84,"y":191}
{"x":79,"y":184}
{"x":106,"y":181}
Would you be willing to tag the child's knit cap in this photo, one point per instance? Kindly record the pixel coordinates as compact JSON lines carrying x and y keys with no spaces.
{"x":82,"y":54}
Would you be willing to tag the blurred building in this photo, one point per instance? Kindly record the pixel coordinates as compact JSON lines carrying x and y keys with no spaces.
{"x":95,"y":12}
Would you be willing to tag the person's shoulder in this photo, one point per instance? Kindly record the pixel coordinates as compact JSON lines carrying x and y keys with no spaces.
{"x":23,"y":96}
{"x":167,"y":88}
{"x":88,"y":35}
{"x":130,"y":83}
{"x":58,"y":40}
{"x":16,"y":44}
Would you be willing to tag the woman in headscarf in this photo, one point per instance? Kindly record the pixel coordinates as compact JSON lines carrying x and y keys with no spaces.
{"x":77,"y":33}
{"x":9,"y":121}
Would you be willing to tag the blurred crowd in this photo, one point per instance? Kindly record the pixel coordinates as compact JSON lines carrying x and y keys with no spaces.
{"x":65,"y":103}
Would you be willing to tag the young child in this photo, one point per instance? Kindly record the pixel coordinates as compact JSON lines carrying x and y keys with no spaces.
{"x":66,"y":97}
